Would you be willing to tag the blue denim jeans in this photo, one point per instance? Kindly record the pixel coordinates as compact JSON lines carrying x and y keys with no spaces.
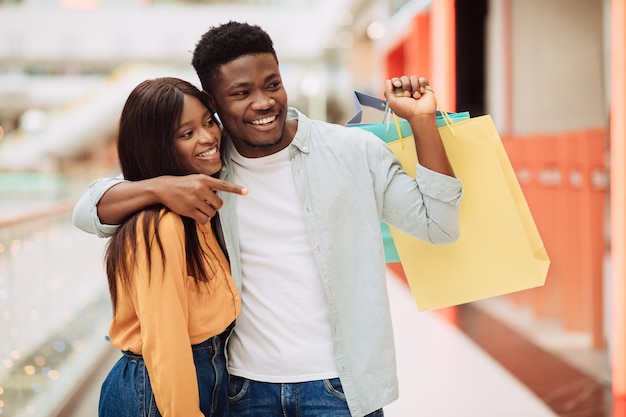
{"x":126,"y":391}
{"x":324,"y":398}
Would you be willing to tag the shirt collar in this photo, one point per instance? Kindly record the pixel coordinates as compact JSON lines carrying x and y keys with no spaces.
{"x":300,"y":140}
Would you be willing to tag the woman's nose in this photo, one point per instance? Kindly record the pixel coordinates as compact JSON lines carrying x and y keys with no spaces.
{"x":208,"y":136}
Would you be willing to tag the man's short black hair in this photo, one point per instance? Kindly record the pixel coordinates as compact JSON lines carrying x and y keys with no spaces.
{"x":225,"y":43}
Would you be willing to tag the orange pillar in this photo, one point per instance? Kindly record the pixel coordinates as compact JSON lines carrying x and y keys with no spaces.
{"x":547,"y":300}
{"x":507,"y":16}
{"x":395,"y":61}
{"x":618,"y":197}
{"x":411,"y":53}
{"x":593,"y":144}
{"x":443,"y":52}
{"x":569,"y":251}
{"x":516,"y":150}
{"x":443,"y":73}
{"x":417,"y":49}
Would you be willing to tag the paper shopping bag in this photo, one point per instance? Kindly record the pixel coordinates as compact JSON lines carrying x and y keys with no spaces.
{"x":499,"y":250}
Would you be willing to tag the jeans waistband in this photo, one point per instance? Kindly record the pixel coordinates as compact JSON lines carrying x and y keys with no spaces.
{"x":222,"y":337}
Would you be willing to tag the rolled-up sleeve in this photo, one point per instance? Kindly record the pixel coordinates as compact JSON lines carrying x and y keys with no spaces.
{"x":426,"y":207}
{"x":439,"y":186}
{"x":85,"y":215}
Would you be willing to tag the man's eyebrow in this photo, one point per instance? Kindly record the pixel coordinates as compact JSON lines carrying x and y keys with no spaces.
{"x":272,"y":75}
{"x":249,"y":84}
{"x":240,"y":85}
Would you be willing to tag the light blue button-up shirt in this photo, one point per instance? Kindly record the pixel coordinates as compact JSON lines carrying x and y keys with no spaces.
{"x":348,"y":181}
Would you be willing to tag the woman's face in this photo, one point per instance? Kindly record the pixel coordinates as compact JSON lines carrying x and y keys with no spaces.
{"x":198,"y":138}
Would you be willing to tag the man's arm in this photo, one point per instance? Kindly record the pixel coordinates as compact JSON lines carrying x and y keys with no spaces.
{"x":412,"y":99}
{"x":85,"y":216}
{"x":109,"y":202}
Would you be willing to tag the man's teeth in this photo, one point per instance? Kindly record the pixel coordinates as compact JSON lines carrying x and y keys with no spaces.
{"x":264,"y":121}
{"x":210,"y":152}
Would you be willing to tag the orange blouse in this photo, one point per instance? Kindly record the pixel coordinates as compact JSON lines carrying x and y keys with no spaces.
{"x":166,"y":312}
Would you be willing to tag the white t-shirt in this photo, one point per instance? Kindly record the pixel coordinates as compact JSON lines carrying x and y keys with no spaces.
{"x":283,"y":331}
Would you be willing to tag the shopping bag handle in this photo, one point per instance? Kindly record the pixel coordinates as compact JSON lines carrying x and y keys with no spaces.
{"x":363,"y":99}
{"x":445,"y":116}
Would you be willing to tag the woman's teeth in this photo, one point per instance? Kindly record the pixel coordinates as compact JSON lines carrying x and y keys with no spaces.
{"x":208,"y":153}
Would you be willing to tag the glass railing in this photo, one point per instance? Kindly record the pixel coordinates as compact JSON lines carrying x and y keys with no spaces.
{"x":54,"y":309}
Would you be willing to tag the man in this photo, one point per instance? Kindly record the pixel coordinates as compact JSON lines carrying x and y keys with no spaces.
{"x":314,"y":335}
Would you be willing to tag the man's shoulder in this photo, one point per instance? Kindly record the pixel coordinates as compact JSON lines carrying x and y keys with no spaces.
{"x":334,"y":134}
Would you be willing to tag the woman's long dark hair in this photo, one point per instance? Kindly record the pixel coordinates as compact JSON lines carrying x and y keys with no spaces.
{"x":145,"y":147}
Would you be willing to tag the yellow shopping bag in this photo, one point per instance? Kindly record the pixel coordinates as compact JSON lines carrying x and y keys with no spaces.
{"x":499,"y":250}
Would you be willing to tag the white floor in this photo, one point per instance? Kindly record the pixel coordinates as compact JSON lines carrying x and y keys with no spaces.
{"x":442,"y":373}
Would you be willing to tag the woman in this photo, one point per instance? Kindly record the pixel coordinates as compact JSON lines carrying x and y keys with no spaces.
{"x":173,"y":297}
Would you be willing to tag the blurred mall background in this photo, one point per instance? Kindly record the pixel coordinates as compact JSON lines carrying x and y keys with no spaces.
{"x":549,"y":72}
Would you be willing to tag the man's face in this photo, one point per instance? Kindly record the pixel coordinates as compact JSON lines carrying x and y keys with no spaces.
{"x":252,"y":104}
